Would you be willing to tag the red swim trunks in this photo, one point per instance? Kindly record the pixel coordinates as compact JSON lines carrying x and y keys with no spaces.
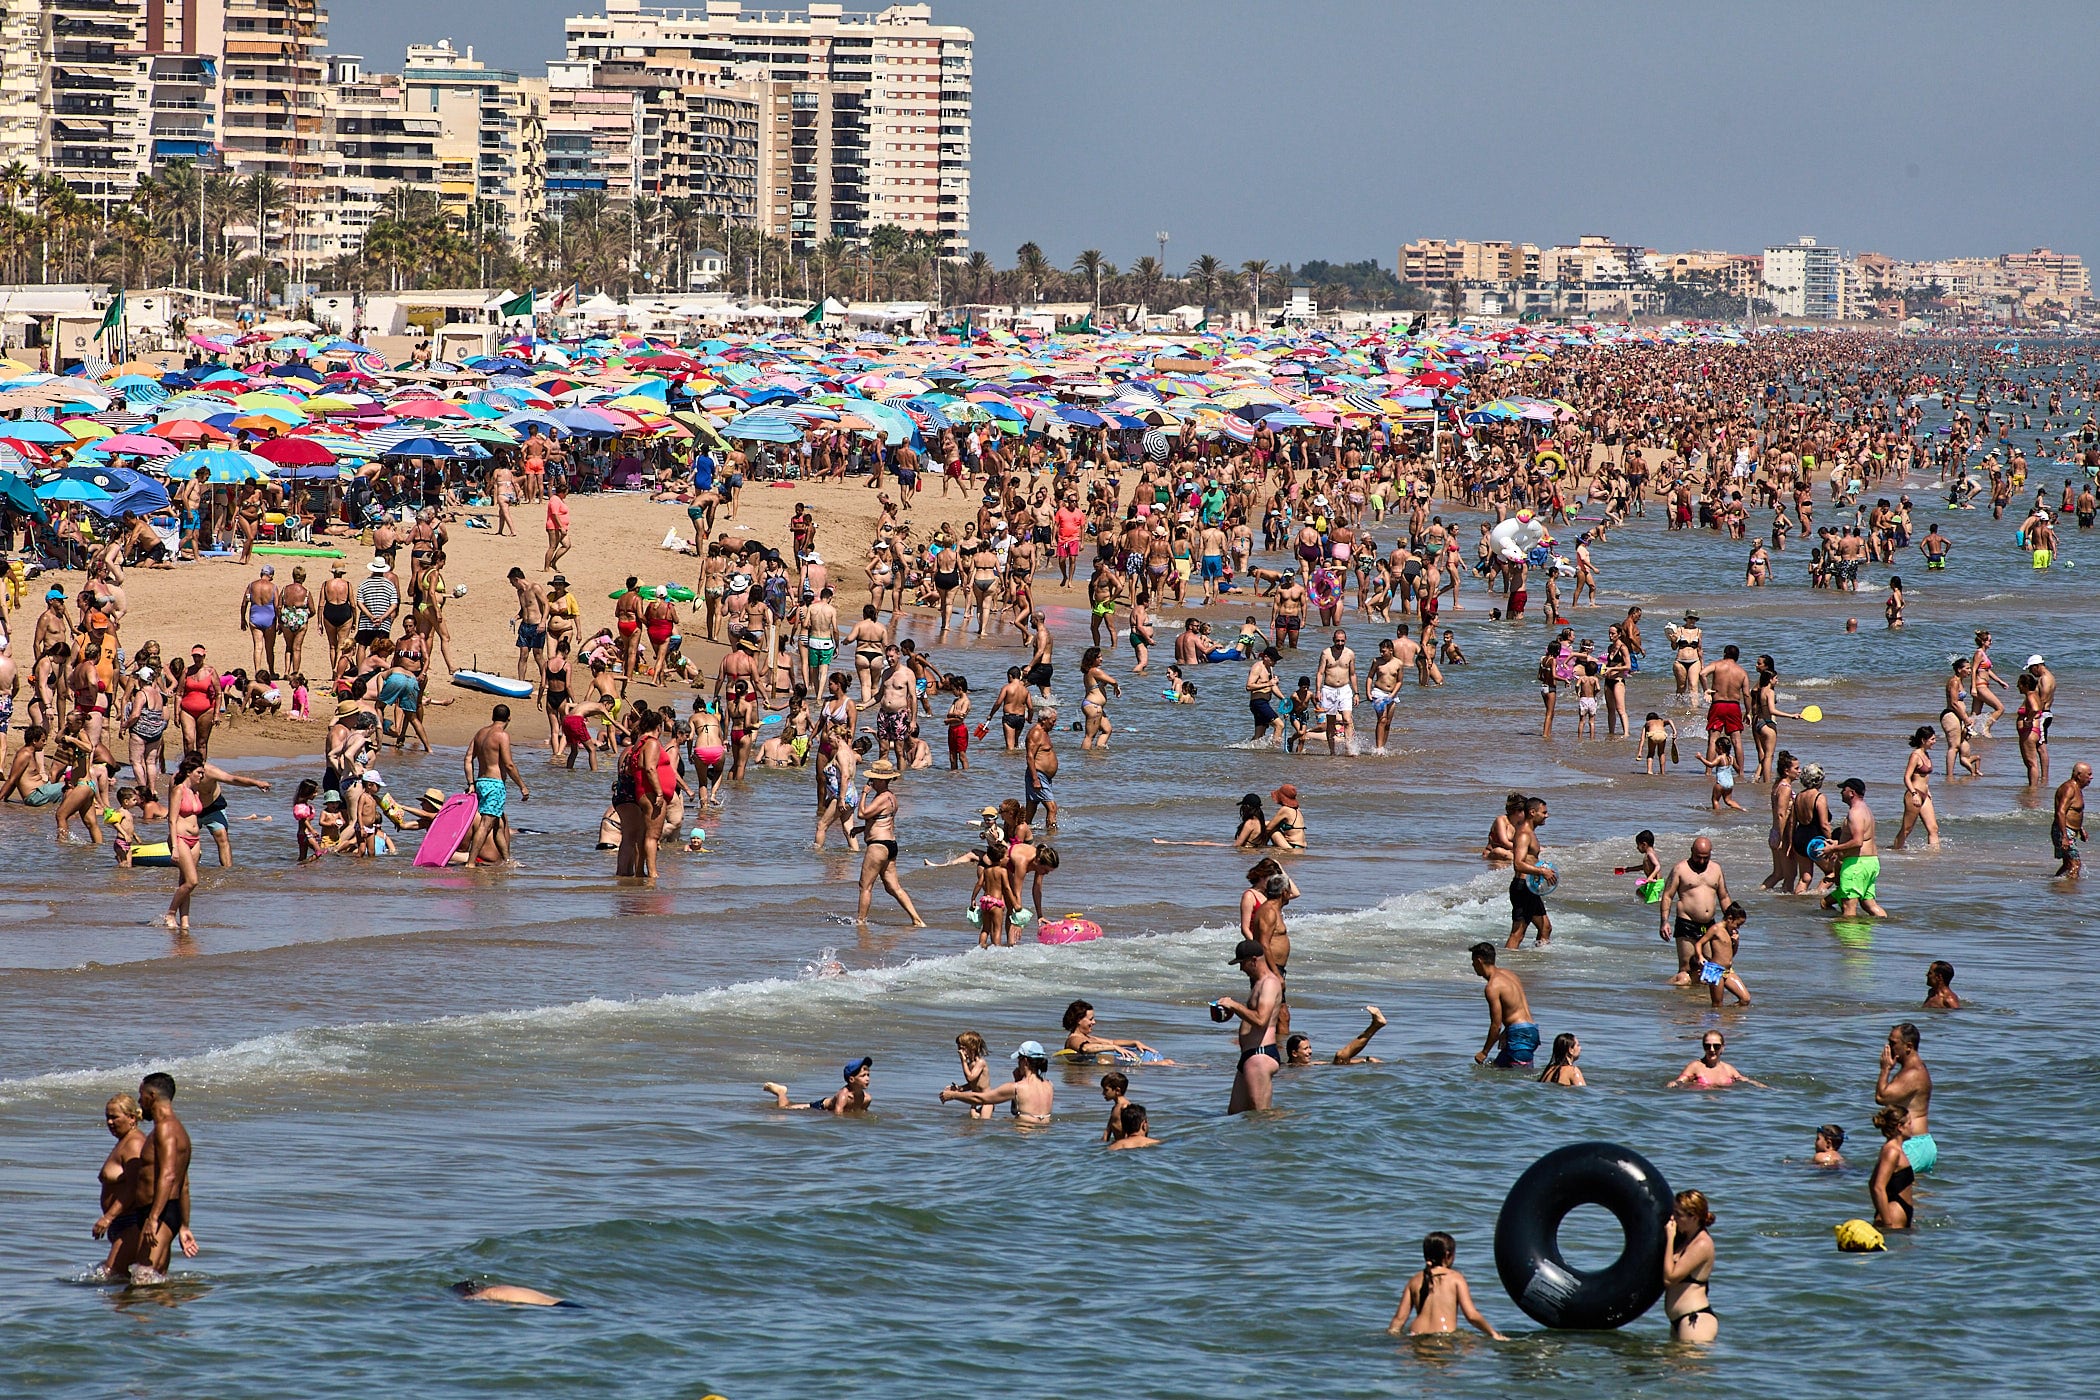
{"x":1725,"y":717}
{"x":959,"y":738}
{"x":1517,"y":600}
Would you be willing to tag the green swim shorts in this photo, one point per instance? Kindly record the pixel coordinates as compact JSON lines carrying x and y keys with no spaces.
{"x":1857,"y":876}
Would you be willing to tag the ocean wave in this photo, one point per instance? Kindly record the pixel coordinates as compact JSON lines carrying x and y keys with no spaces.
{"x":1416,"y":934}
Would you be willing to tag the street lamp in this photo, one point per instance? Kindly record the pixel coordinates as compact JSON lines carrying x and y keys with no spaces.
{"x":1161,"y":235}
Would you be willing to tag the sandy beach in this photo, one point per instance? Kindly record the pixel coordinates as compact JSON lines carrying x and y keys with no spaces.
{"x":615,"y":534}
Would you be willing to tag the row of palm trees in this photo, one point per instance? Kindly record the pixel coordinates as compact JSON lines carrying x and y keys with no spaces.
{"x":188,"y":226}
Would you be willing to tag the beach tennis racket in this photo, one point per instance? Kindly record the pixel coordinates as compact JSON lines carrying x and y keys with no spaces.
{"x":1813,"y":714}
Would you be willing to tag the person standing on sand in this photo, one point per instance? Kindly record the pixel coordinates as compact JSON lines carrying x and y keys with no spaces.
{"x":532,"y":626}
{"x":489,"y":767}
{"x":258,"y":617}
{"x":557,"y":524}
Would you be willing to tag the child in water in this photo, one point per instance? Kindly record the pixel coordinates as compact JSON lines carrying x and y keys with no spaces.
{"x":970,"y":1049}
{"x":1657,"y":735}
{"x":1299,"y":711}
{"x":1717,"y":953}
{"x":1650,"y":888}
{"x":1437,"y":1295}
{"x":1178,"y":689}
{"x":1722,"y":765}
{"x":1115,"y":1087}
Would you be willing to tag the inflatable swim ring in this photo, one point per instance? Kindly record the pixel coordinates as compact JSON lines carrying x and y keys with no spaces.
{"x":1548,"y":454}
{"x":1546,"y":883}
{"x":1527,"y":1237}
{"x":1072,"y":928}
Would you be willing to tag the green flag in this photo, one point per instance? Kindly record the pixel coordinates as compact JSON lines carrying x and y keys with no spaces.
{"x":114,"y":315}
{"x":1203,"y":326}
{"x":815,"y":315}
{"x":519,"y":305}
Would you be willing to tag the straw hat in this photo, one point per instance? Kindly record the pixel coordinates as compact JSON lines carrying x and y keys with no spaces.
{"x":881,"y":771}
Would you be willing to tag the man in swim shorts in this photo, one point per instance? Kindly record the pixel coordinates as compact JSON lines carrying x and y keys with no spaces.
{"x":1858,"y":858}
{"x":1526,"y":906}
{"x":489,"y":766}
{"x":1905,"y":1083}
{"x":1513,"y":1037}
{"x":1695,"y":892}
{"x":1730,"y":688}
{"x":1338,"y":688}
{"x":2067,"y":826}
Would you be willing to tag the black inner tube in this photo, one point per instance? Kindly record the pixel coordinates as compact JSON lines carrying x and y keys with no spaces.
{"x":1527,"y":1237}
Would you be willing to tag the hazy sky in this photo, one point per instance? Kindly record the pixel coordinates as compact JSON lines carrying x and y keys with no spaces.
{"x":1300,"y":129}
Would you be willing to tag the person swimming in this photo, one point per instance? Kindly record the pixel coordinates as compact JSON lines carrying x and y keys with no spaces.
{"x":474,"y":1291}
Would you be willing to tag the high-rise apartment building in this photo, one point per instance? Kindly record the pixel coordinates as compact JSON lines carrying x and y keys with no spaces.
{"x":21,"y":84}
{"x":699,"y":135}
{"x":1436,"y":261}
{"x":94,"y":96}
{"x":865,"y":118}
{"x":1805,"y":279}
{"x":491,"y":148}
{"x":377,"y":151}
{"x":273,"y":117}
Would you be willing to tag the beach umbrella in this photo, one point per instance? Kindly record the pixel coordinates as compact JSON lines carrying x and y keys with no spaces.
{"x":421,"y":447}
{"x":123,"y":489}
{"x":87,"y":429}
{"x":295,"y":452}
{"x":34,"y":430}
{"x":64,"y":490}
{"x":189,"y":430}
{"x":16,"y":493}
{"x":223,"y":466}
{"x":764,"y":426}
{"x":11,"y":461}
{"x":1159,"y":445}
{"x":136,"y":445}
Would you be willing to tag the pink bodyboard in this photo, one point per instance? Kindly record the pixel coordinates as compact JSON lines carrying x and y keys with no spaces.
{"x":443,"y":836}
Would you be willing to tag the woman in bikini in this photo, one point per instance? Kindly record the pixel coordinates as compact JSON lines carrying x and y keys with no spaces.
{"x":1094,"y":707}
{"x":1917,"y":790}
{"x":338,"y":614}
{"x":1981,"y":696}
{"x":878,"y":809}
{"x":184,"y":810}
{"x":1688,"y":1270}
{"x":427,"y":616}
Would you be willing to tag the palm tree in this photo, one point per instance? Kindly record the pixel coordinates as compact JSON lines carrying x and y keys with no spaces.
{"x":1204,"y":273}
{"x":1033,"y":267}
{"x":1149,"y":277}
{"x":1088,"y":265}
{"x":979,"y":270}
{"x":1255,"y":269}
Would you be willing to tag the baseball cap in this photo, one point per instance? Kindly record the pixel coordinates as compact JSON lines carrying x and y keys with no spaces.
{"x":1030,"y":1050}
{"x":1248,"y":948}
{"x":854,"y":1067}
{"x":2036,"y":660}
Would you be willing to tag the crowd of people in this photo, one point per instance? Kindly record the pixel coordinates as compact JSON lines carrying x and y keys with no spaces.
{"x":1288,"y":529}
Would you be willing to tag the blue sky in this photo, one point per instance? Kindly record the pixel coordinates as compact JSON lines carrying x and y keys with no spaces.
{"x":1299,"y":129}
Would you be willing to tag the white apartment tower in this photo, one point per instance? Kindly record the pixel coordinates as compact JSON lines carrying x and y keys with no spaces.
{"x":1806,"y":279}
{"x":865,"y":117}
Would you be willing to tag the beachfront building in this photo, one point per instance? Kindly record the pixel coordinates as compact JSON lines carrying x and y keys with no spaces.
{"x":377,"y":152}
{"x":1435,"y":262}
{"x":490,"y":146}
{"x":1805,"y":279}
{"x":599,"y":139}
{"x":273,"y":95}
{"x":1736,"y":274}
{"x":865,"y":118}
{"x":93,"y":95}
{"x":21,"y":85}
{"x":698,"y":143}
